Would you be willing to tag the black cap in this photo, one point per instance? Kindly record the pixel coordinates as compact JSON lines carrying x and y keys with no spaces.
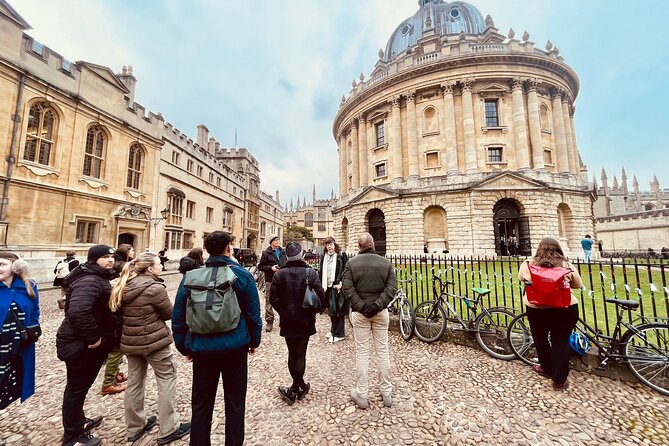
{"x":98,"y":251}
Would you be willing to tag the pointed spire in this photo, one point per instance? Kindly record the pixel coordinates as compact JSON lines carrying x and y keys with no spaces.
{"x":615,"y":184}
{"x":314,"y":193}
{"x":635,"y":184}
{"x":511,"y":34}
{"x":603,"y":176}
{"x":624,"y":182}
{"x":526,"y":36}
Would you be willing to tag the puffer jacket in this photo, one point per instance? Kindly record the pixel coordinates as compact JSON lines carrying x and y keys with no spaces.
{"x":368,"y":279}
{"x":146,"y":306}
{"x":287,"y":295}
{"x":87,"y":314}
{"x":268,"y":259}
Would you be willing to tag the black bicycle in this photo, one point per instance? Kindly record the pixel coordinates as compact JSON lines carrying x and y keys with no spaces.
{"x":489,"y":325}
{"x":644,"y":346}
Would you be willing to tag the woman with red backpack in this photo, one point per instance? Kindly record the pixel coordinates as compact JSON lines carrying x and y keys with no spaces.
{"x":551,"y":308}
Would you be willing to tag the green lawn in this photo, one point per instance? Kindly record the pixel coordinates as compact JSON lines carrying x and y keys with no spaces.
{"x":646,"y":282}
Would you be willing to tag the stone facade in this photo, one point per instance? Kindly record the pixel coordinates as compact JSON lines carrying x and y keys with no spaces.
{"x":461,"y":141}
{"x":631,"y":219}
{"x":83,"y":163}
{"x":315,"y":216}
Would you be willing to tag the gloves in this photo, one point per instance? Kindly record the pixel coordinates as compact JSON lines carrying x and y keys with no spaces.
{"x":370,"y":311}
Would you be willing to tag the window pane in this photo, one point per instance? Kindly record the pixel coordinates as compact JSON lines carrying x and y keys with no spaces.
{"x":491,"y":119}
{"x":44,"y":153}
{"x":97,"y":167}
{"x":90,"y":139}
{"x":87,"y":165}
{"x":30,"y":149}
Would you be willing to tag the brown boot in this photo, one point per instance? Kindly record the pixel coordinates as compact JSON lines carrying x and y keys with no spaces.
{"x":114,"y":388}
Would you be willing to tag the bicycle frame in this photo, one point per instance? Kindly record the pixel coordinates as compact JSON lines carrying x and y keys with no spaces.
{"x":453,"y":315}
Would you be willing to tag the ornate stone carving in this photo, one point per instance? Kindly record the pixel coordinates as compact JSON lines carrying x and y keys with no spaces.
{"x":395,"y":101}
{"x":488,"y":22}
{"x":516,"y":82}
{"x":410,"y":95}
{"x":362,"y":119}
{"x":381,"y":53}
{"x":447,"y":87}
{"x":362,"y":77}
{"x":37,"y":170}
{"x":555,"y":92}
{"x":549,"y":45}
{"x":511,"y":34}
{"x":526,"y":36}
{"x":467,"y":84}
{"x":95,"y":184}
{"x":532,"y":84}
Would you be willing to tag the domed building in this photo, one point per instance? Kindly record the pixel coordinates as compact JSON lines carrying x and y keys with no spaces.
{"x":462,"y":140}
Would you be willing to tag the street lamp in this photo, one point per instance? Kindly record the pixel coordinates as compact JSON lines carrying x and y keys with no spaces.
{"x":155,"y":220}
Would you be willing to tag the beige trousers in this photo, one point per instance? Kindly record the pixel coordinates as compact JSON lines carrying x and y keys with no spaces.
{"x":365,"y":333}
{"x":164,"y":367}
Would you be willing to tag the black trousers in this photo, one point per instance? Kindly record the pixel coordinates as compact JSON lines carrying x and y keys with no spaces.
{"x":337,"y":326}
{"x":81,"y":374}
{"x":232,"y":366}
{"x":558,"y":323}
{"x":297,"y":360}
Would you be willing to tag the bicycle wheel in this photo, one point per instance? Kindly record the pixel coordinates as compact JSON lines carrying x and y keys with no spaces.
{"x":430,"y":321}
{"x":647,"y":354}
{"x":491,"y":328}
{"x":520,"y":340}
{"x":407,"y":319}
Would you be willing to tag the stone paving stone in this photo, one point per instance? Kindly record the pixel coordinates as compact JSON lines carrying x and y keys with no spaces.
{"x":444,"y":394}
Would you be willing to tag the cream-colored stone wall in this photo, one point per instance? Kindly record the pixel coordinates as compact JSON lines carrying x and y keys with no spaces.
{"x":638,"y":231}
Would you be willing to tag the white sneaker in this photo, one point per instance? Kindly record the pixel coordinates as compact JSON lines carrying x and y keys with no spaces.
{"x":329,"y":336}
{"x":336,"y":339}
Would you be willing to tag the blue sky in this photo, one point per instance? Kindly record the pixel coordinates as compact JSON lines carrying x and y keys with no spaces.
{"x":276,"y":70}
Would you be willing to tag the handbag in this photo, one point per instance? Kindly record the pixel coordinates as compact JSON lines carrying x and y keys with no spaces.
{"x":311,"y":299}
{"x":27,"y":333}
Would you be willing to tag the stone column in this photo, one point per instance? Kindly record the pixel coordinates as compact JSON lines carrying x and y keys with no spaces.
{"x":343,"y":163}
{"x":396,"y":147}
{"x":519,"y":131}
{"x":567,"y":130}
{"x":572,"y":110}
{"x":449,"y":128}
{"x":363,"y":165}
{"x":412,"y":135}
{"x":535,"y":125}
{"x":355,"y":177}
{"x":558,"y":131}
{"x":471,"y":162}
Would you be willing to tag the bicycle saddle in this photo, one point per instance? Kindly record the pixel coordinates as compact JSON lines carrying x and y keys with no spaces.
{"x":626,"y":304}
{"x":481,"y":291}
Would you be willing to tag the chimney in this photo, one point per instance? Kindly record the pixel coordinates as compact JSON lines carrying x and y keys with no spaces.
{"x":203,"y":136}
{"x":129,"y":81}
{"x":277,"y":196}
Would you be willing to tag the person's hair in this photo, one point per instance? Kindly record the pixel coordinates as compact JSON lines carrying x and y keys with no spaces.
{"x":20,"y":269}
{"x":70,"y":254}
{"x":216,"y":242}
{"x":132,"y":269}
{"x":549,"y":253}
{"x":196,"y":254}
{"x":161,"y":252}
{"x":587,"y":235}
{"x":122,"y":251}
{"x":332,"y":240}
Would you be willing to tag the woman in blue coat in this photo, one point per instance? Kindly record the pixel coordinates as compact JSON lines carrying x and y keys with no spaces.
{"x":18,"y":300}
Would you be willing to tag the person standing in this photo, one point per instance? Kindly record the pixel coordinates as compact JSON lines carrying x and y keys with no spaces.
{"x":587,"y":243}
{"x":273,"y":258}
{"x":142,"y":298}
{"x":194,"y":259}
{"x":369,"y":284}
{"x":551,"y":323}
{"x":330,"y":272}
{"x":221,"y":354}
{"x":62,"y":269}
{"x":19,"y":299}
{"x":296,"y":323}
{"x":87,"y":334}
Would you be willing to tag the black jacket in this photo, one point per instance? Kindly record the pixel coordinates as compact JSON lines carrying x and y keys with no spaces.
{"x":87,"y":314}
{"x":268,"y":260}
{"x":287,"y":295}
{"x":187,"y":264}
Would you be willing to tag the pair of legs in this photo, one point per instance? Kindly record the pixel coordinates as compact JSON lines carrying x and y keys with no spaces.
{"x":367,"y":331}
{"x":162,"y":363}
{"x":297,"y":361}
{"x":337,"y":326}
{"x":269,"y":311}
{"x":587,"y":254}
{"x":207,"y":368}
{"x":112,"y":367}
{"x":81,"y":374}
{"x":558,"y":323}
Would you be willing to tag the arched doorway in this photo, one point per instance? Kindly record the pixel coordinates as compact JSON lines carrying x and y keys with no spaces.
{"x":376,"y":222}
{"x":126,"y":238}
{"x":251,"y":241}
{"x":344,"y":234}
{"x":435,"y":229}
{"x":512,"y":230}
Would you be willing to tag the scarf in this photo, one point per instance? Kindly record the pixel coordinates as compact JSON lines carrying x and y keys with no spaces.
{"x":11,"y":365}
{"x":329,"y":269}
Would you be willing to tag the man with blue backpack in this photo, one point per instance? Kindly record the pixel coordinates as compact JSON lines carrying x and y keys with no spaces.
{"x":216,"y":324}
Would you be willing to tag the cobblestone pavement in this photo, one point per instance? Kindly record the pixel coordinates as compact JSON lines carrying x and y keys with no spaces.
{"x":444,"y":395}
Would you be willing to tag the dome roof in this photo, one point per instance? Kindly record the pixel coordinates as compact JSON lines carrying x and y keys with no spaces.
{"x":445,"y":17}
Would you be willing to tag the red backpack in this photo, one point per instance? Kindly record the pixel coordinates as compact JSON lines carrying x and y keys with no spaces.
{"x":549,"y":286}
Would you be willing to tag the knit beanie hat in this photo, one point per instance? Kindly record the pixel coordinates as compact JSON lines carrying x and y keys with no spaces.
{"x":294,"y":251}
{"x":98,"y":251}
{"x":272,"y":238}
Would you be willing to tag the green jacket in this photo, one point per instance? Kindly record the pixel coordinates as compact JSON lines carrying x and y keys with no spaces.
{"x":368,"y":279}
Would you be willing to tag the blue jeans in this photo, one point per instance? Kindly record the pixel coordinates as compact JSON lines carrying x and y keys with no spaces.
{"x":587,"y":255}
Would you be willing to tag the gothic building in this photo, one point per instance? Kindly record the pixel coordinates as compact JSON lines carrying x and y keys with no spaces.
{"x":462,"y":139}
{"x":631,"y":218}
{"x":315,"y":216}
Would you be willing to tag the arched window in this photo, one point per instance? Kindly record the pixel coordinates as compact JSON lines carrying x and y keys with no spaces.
{"x":96,"y":142}
{"x":649,"y":207}
{"x":40,"y":134}
{"x":435,"y":228}
{"x":430,"y":120}
{"x":344,"y":233}
{"x":543,"y":116}
{"x":134,"y":166}
{"x":308,"y":220}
